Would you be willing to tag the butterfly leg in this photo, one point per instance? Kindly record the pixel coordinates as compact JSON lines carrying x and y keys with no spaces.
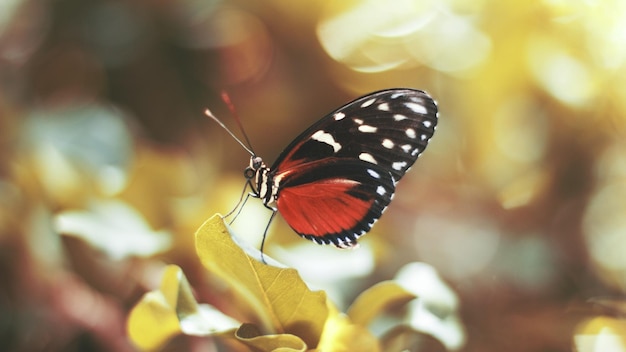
{"x":245,"y":187}
{"x":240,"y":207}
{"x":265,"y":232}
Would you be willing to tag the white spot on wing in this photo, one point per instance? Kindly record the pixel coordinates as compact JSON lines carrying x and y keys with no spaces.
{"x":388,"y":143}
{"x":339,"y":116}
{"x":367,"y":157}
{"x":381,"y":190}
{"x":398,"y":165}
{"x":406,"y":147}
{"x":383,"y":107}
{"x":399,"y":117}
{"x":427,"y":123}
{"x":373,"y":173}
{"x":368,"y":103}
{"x":410,"y":133}
{"x":327,"y":138}
{"x":367,"y":129}
{"x":358,"y":121}
{"x":417,"y":108}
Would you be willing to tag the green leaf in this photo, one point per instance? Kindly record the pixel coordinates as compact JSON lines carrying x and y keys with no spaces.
{"x":281,"y":300}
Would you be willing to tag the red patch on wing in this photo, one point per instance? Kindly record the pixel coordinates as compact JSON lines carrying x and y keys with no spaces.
{"x":322,"y":207}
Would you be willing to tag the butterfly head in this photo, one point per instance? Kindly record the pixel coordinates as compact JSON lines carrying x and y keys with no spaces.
{"x":256,"y":163}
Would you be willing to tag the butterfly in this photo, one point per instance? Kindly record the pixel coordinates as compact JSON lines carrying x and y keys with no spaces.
{"x":335,"y":180}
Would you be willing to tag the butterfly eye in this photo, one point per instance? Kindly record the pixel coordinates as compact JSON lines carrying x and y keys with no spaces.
{"x":248,"y":173}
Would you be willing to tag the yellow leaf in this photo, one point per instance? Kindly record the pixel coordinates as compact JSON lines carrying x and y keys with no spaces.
{"x":171,"y":310}
{"x":251,"y":336}
{"x":153,"y":320}
{"x":342,"y":335}
{"x":403,"y":338}
{"x":279,"y":297}
{"x":601,"y":333}
{"x":418,"y":288}
{"x":370,"y":303}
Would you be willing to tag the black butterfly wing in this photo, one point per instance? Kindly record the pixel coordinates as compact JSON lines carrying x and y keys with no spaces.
{"x":337,"y":177}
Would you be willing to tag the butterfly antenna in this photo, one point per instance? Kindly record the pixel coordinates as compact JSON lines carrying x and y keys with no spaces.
{"x":210,"y":115}
{"x":233,"y":111}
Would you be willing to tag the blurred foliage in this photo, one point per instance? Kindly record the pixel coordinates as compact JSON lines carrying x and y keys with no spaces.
{"x":108,"y":167}
{"x":289,"y":316}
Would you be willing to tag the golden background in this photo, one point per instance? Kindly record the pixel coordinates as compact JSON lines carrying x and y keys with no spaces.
{"x":107,"y":164}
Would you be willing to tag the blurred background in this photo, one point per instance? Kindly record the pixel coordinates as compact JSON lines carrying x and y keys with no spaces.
{"x":107,"y":164}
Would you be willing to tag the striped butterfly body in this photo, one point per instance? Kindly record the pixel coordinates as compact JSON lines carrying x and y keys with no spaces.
{"x":336,"y":179}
